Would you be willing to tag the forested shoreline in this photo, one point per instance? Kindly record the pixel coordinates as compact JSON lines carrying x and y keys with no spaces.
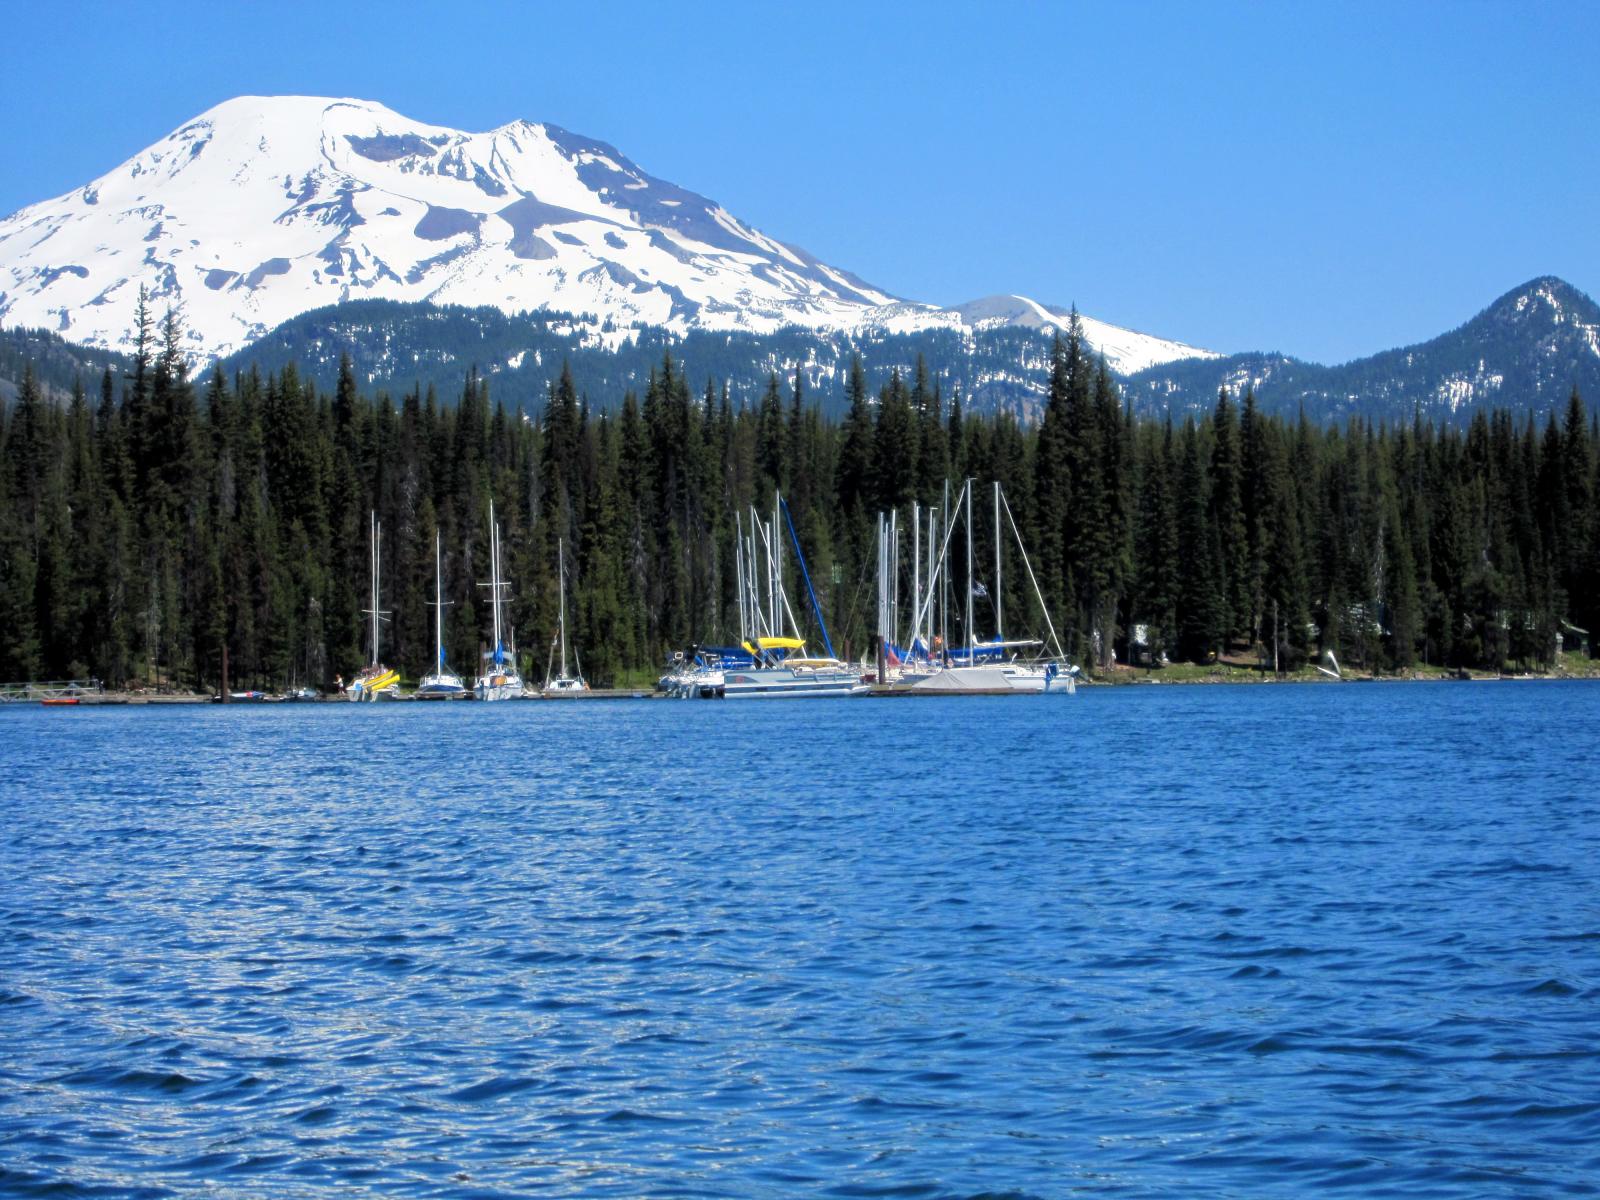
{"x":154,"y":524}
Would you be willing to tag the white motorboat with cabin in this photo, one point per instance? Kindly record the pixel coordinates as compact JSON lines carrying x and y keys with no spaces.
{"x":698,"y":674}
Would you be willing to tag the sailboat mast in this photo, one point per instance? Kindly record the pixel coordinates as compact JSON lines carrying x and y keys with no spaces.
{"x":777,"y":567}
{"x":377,"y":567}
{"x":762,"y":581}
{"x":894,"y":571}
{"x":970,"y":642}
{"x":372,"y":583}
{"x":944,"y":578}
{"x":738,"y":574}
{"x":999,"y":625}
{"x":882,"y":600}
{"x":438,"y":603}
{"x":561,"y":570}
{"x":1038,"y":593}
{"x":494,"y":579}
{"x":916,"y":573}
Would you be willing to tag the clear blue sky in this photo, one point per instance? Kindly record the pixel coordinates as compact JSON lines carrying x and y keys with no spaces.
{"x":1326,"y":181}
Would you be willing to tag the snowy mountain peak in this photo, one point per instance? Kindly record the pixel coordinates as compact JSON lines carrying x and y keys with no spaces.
{"x":262,"y":208}
{"x":1125,"y":350}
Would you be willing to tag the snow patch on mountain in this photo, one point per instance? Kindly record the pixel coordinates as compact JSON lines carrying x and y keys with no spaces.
{"x":266,"y":207}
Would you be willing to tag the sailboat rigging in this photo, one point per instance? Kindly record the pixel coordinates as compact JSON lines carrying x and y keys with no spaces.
{"x":772,"y":659}
{"x":376,"y":681}
{"x":562,"y":683}
{"x":498,"y":677}
{"x":441,"y":683}
{"x":994,"y":665}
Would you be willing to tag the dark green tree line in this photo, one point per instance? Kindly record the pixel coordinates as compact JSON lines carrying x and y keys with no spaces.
{"x":163,"y":529}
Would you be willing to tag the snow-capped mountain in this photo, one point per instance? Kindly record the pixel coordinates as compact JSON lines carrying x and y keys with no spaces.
{"x":267,"y":207}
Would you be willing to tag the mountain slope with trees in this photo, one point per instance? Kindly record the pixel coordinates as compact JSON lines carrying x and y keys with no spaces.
{"x":1525,"y":352}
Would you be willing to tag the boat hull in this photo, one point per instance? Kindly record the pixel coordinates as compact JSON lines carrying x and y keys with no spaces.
{"x":1000,"y":678}
{"x":375,"y":684}
{"x":707,"y":684}
{"x":435,"y":687}
{"x":775,"y":683}
{"x":498,"y":688}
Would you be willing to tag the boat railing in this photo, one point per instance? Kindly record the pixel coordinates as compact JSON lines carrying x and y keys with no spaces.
{"x":51,"y":689}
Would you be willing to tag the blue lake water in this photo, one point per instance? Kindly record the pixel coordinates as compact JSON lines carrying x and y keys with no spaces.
{"x":1206,"y":941}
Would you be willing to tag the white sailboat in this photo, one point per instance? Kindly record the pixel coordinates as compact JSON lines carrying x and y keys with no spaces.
{"x":995,"y":665}
{"x":562,"y":684}
{"x":441,"y":683}
{"x":498,"y":677}
{"x":775,"y":663}
{"x":376,"y":681}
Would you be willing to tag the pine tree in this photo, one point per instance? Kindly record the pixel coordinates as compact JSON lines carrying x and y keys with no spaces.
{"x":894,"y":449}
{"x":854,"y":481}
{"x":1283,"y":574}
{"x":1228,"y":519}
{"x":1052,"y":486}
{"x":1156,"y":546}
{"x":1201,"y":617}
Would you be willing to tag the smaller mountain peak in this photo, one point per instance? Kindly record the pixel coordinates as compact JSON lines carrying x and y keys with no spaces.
{"x":1547,"y":299}
{"x":1549,"y":288}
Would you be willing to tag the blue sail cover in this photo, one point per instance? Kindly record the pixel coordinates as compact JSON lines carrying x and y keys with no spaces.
{"x":981,"y":653}
{"x":725,"y":656}
{"x":918,"y":651}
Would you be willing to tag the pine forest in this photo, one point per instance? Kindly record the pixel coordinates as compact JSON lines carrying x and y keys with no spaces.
{"x":158,"y":530}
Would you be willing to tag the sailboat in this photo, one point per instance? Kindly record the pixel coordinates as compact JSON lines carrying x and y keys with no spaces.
{"x":772,"y":662}
{"x":376,"y":681}
{"x":498,"y":678}
{"x":562,"y":683}
{"x":995,"y":665}
{"x":441,"y":683}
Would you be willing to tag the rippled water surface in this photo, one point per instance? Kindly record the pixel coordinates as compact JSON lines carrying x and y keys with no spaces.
{"x":1187,"y":942}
